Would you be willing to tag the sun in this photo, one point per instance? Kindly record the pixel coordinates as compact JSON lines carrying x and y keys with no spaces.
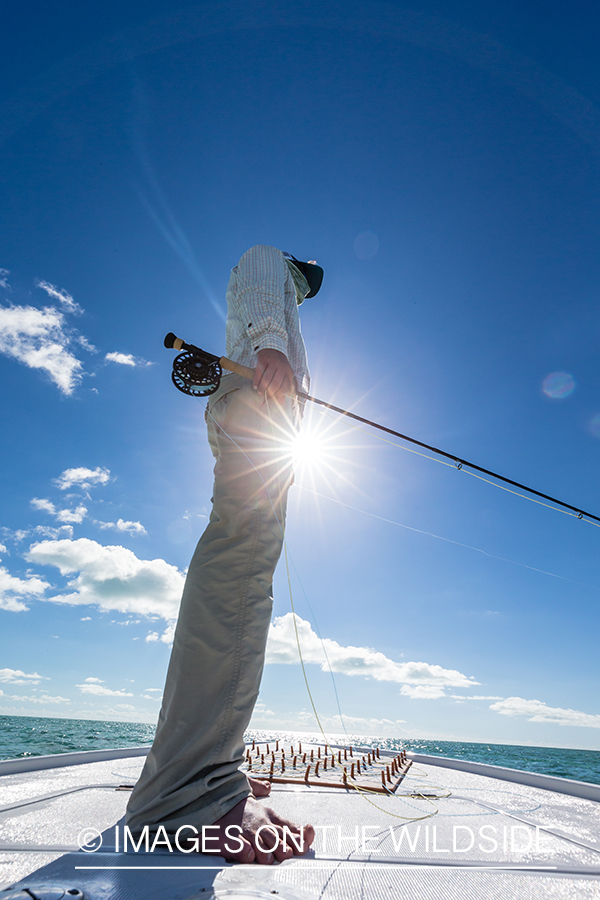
{"x":307,"y":449}
{"x":322,"y":453}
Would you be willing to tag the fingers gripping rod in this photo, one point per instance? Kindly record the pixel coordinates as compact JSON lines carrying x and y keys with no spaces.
{"x":198,"y":373}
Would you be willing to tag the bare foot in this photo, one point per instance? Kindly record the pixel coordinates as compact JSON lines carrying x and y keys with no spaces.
{"x":259,"y":787}
{"x":251,"y":832}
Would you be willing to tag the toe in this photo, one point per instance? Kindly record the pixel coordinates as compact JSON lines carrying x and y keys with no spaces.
{"x":283,"y":851}
{"x":303,"y":836}
{"x":309,"y":836}
{"x":243,"y":854}
{"x":264,"y":858}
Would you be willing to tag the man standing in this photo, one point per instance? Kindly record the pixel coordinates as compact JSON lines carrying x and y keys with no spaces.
{"x":192,"y":774}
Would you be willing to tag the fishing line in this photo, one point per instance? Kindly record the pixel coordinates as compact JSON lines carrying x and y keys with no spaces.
{"x":316,"y":624}
{"x":359,"y":788}
{"x":458,"y":464}
{"x":445,"y":539}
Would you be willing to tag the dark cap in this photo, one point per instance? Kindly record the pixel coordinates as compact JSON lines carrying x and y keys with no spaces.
{"x":312,"y":273}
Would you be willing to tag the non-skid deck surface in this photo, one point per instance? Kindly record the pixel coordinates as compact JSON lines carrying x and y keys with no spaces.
{"x":443,"y":834}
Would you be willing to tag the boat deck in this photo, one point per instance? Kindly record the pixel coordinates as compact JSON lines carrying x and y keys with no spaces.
{"x":452,"y":830}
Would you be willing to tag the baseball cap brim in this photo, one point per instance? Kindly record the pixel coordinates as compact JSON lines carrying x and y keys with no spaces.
{"x":312,"y":273}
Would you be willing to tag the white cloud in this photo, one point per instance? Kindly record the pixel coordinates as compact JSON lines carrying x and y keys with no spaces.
{"x":123,"y":712}
{"x":422,"y":691}
{"x":64,"y":531}
{"x":112,"y":577}
{"x":10,"y":604}
{"x":357,"y":723}
{"x":74,"y":516}
{"x":43,"y":699}
{"x":92,"y":680}
{"x":43,"y":505}
{"x":305,"y":721}
{"x":282,"y":648}
{"x":149,"y":690}
{"x":86,"y":619}
{"x":12,"y":588}
{"x":62,"y":296}
{"x":99,"y":691}
{"x":83,"y":342}
{"x":16,"y":536}
{"x":120,"y":525}
{"x":475,"y":697}
{"x":3,"y":549}
{"x":4,"y":273}
{"x":166,"y":637}
{"x":169,"y":633}
{"x":16,"y":676}
{"x":260,"y":711}
{"x":38,"y":339}
{"x":150,"y":697}
{"x":82,"y":477}
{"x":62,"y":515}
{"x":124,"y":359}
{"x":537,"y":711}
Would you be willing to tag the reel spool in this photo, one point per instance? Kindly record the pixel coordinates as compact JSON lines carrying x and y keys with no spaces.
{"x":196,"y":376}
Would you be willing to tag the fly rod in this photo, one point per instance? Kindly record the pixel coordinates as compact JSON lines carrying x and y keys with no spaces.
{"x":198,"y":374}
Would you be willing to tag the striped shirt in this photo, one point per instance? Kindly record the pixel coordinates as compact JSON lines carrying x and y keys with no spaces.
{"x":262,"y":310}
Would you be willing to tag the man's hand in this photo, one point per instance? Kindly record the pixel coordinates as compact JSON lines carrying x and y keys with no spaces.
{"x":274,"y":376}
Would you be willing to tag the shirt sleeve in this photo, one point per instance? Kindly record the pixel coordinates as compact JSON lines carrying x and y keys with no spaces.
{"x":261,"y":276}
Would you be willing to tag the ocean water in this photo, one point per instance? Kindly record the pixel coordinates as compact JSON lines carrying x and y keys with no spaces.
{"x":22,"y":736}
{"x":581,"y":765}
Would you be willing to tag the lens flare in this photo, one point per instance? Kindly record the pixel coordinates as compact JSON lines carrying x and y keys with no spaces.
{"x":558,"y":385}
{"x":594,"y":425}
{"x":366,"y":244}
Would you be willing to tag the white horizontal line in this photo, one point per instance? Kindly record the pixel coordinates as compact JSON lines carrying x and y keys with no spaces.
{"x":341,"y":864}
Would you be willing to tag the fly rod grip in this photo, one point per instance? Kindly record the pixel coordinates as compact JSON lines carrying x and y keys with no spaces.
{"x":238,"y":368}
{"x":245,"y":371}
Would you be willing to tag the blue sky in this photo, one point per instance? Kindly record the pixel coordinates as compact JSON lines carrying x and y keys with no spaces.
{"x":441,"y":163}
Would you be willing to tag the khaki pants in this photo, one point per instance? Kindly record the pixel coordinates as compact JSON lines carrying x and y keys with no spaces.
{"x":191,"y":775}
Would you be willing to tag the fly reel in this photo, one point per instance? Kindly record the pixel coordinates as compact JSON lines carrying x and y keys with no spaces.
{"x":195,"y":372}
{"x":196,"y":376}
